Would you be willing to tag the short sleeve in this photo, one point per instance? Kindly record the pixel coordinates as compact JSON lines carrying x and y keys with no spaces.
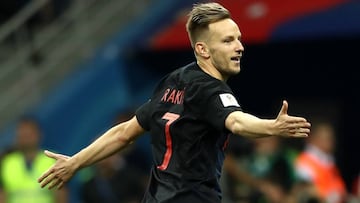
{"x":219,"y":106}
{"x":143,"y":115}
{"x":214,"y":101}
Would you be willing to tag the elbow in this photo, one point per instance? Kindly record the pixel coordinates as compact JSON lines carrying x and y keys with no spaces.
{"x":237,"y":129}
{"x":234,"y":125}
{"x":122,"y":136}
{"x":124,"y":140}
{"x":127,"y":132}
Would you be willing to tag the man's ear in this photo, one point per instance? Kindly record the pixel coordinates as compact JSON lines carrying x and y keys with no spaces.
{"x":201,"y":49}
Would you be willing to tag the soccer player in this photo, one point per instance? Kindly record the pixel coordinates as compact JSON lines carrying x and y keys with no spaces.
{"x":190,"y":116}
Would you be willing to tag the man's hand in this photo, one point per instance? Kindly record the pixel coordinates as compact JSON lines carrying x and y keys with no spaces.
{"x":291,"y":126}
{"x":58,"y":174}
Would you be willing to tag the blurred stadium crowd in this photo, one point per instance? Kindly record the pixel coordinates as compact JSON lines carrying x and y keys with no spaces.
{"x":114,"y":75}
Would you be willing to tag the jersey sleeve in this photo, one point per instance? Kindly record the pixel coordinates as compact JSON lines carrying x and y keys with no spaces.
{"x":143,"y":115}
{"x":214,"y":101}
{"x":219,"y":106}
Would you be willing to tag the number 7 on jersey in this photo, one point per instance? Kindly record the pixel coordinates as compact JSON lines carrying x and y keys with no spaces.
{"x":170,"y":117}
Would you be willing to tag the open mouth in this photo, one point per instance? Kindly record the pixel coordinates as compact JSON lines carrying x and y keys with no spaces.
{"x":235,"y":58}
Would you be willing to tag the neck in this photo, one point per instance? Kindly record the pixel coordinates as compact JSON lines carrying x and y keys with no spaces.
{"x":209,"y":68}
{"x":29,"y":154}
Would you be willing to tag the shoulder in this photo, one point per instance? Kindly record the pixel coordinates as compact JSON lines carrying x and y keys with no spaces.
{"x":303,"y":168}
{"x":190,"y":74}
{"x":189,"y":77}
{"x":178,"y":76}
{"x":207,"y":87}
{"x":11,"y":156}
{"x":11,"y":161}
{"x":304,"y":162}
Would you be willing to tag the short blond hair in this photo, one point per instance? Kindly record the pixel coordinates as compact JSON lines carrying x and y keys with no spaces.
{"x":201,"y":16}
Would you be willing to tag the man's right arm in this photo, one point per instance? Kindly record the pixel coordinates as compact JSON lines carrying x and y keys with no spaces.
{"x":115,"y":139}
{"x":245,"y":124}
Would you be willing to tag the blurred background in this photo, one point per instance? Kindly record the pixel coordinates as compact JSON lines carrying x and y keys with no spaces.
{"x":79,"y":67}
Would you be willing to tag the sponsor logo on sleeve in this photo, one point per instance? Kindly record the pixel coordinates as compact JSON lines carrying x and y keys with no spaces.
{"x":228,"y":99}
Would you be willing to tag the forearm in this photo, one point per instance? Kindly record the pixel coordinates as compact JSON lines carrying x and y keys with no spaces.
{"x":110,"y":142}
{"x":247,"y":125}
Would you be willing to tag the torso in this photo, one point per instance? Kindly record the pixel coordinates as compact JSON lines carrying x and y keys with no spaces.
{"x":186,"y":119}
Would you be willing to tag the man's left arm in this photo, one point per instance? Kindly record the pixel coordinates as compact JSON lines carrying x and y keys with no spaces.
{"x":245,"y":124}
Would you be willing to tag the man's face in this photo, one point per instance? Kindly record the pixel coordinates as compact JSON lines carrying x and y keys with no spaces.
{"x":28,"y":136}
{"x":325,"y":138}
{"x":225,"y":47}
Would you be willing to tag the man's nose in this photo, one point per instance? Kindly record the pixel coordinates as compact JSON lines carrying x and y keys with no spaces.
{"x":239,"y":46}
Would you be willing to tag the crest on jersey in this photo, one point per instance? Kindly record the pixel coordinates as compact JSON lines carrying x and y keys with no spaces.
{"x":228,"y":99}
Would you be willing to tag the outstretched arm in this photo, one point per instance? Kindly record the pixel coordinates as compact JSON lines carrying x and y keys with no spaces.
{"x":115,"y":139}
{"x":247,"y":125}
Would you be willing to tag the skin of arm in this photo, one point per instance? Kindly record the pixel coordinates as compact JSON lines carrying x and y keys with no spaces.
{"x":247,"y":125}
{"x":112,"y":141}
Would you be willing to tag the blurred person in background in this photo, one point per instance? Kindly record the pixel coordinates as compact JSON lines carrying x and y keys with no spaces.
{"x":190,"y":116}
{"x":114,"y":180}
{"x":316,"y":167}
{"x":20,"y":168}
{"x":263,"y":175}
{"x":138,"y":154}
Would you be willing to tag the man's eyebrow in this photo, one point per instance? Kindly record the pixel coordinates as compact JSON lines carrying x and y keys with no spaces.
{"x":228,"y":37}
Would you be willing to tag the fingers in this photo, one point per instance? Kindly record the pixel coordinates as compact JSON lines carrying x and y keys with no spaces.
{"x":56,"y":182}
{"x":44,"y":176}
{"x":296,"y":127}
{"x":46,"y":180}
{"x":51,"y":154}
{"x":292,"y":126}
{"x":52,"y":176}
{"x":300,"y":135}
{"x":55,"y":156}
{"x":299,"y":132}
{"x":294,"y":119}
{"x":60,"y":185}
{"x":63,"y":156}
{"x":53,"y":181}
{"x":284,"y":108}
{"x":299,"y":124}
